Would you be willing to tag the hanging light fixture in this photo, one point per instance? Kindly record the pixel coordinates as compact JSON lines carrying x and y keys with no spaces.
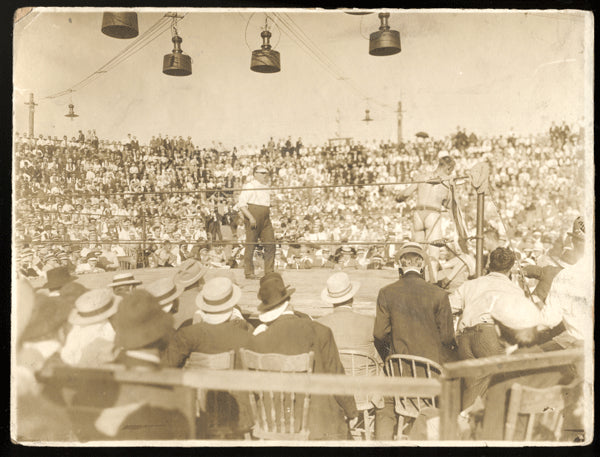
{"x":367,"y":118}
{"x":384,"y":42}
{"x":265,"y":59}
{"x":71,"y":112}
{"x":177,"y":63}
{"x":120,"y":25}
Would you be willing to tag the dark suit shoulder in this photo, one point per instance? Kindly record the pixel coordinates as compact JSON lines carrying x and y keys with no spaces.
{"x":392,"y":286}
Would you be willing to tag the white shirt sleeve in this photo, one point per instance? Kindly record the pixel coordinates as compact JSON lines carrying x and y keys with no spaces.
{"x":457,"y":299}
{"x":552,"y":313}
{"x":244,"y":197}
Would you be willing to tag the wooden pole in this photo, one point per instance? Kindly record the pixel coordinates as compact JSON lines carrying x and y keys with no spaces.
{"x":479,"y":235}
{"x":399,"y":123}
{"x":32,"y":106}
{"x":450,"y":408}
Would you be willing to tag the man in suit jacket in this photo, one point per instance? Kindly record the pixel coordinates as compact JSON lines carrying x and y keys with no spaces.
{"x":285,"y":332}
{"x":221,"y":329}
{"x":351,"y":330}
{"x":412,"y":317}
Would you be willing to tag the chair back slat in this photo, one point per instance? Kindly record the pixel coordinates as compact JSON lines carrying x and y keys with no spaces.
{"x":282,"y":420}
{"x":274,"y":413}
{"x":406,"y":365}
{"x":292,"y":411}
{"x":263,"y":411}
{"x":360,"y":363}
{"x":544,"y":410}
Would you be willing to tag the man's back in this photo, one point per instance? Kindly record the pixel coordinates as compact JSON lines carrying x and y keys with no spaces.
{"x":351,"y":330}
{"x":417,"y":317}
{"x":291,"y":334}
{"x":207,"y":338}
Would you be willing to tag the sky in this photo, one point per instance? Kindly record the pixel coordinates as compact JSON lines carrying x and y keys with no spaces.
{"x":488,"y":72}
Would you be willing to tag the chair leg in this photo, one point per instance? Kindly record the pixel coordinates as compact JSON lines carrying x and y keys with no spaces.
{"x":400,"y":433}
{"x":367,"y":425}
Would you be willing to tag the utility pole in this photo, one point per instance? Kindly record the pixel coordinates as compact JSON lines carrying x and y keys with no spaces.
{"x":399,"y":122}
{"x":32,"y":106}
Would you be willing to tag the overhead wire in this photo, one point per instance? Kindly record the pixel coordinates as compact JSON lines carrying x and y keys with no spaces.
{"x":121,"y":56}
{"x":292,"y":34}
{"x":156,"y":30}
{"x":303,"y":39}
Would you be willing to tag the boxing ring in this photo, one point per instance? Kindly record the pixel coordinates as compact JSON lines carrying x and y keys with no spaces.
{"x":308,"y":282}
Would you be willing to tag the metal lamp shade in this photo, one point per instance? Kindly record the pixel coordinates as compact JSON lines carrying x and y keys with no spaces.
{"x":265,"y":61}
{"x":71,"y":112}
{"x":177,"y":64}
{"x":384,"y":43}
{"x":120,"y":25}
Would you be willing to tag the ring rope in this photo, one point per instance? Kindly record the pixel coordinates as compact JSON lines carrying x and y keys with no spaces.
{"x":240,"y":189}
{"x":437,"y":243}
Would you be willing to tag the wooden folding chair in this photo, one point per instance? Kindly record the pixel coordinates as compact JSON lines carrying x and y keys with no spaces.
{"x":279,"y":415}
{"x":126,"y":262}
{"x":358,"y":363}
{"x":539,"y":411}
{"x":408,"y":407}
{"x":216,"y":408}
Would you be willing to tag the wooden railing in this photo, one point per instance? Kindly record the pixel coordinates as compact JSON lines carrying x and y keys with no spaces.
{"x":242,"y":380}
{"x":448,"y":386}
{"x":454,"y":372}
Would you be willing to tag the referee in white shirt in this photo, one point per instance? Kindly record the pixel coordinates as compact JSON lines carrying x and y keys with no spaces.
{"x":255,"y":205}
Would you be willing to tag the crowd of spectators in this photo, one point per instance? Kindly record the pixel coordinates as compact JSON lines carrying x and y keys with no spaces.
{"x":74,"y":217}
{"x":76,"y":191}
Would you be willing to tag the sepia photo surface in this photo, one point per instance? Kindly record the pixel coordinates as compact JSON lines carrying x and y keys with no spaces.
{"x":260,"y":227}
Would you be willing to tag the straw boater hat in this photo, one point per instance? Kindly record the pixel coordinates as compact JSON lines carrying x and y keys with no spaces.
{"x":339,"y":288}
{"x":124,"y":279}
{"x":189,"y":272}
{"x":165,"y":290}
{"x":140,"y":321}
{"x":217,"y":299}
{"x":94,"y":306}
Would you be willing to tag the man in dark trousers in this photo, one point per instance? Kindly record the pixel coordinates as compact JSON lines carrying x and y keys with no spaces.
{"x":255,"y":204}
{"x":412,"y":317}
{"x":284,"y":331}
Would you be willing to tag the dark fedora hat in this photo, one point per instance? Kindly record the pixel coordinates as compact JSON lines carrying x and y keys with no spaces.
{"x":140,"y":321}
{"x":58,"y":277}
{"x":272,"y":292}
{"x":48,"y":315}
{"x":578,"y":229}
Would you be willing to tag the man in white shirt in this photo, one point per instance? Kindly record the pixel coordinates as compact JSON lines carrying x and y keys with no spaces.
{"x":570,"y":299}
{"x":255,"y":204}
